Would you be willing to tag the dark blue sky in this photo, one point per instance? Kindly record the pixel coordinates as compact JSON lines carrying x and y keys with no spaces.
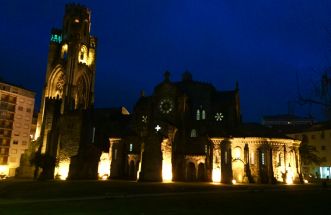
{"x":262,"y":44}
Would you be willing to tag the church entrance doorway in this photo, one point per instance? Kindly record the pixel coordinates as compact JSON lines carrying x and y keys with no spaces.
{"x":191,"y":172}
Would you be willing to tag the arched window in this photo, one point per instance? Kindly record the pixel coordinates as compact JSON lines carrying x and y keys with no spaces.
{"x":64,"y":51}
{"x":82,"y":56}
{"x":237,"y":152}
{"x":279,"y":163}
{"x":198,"y":114}
{"x":203,"y":115}
{"x":193,"y":133}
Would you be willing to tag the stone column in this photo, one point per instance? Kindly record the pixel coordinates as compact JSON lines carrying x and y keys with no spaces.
{"x":226,"y":162}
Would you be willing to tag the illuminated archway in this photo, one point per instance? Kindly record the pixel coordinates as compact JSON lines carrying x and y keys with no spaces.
{"x":56,"y":83}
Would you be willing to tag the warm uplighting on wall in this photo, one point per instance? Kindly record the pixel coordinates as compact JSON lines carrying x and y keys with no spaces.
{"x":4,"y":170}
{"x":166,"y":171}
{"x":62,"y":170}
{"x":216,"y":175}
{"x":166,"y":160}
{"x":91,"y":56}
{"x":104,"y":166}
{"x":289,"y":177}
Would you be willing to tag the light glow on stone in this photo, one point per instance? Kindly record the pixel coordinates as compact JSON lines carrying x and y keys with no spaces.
{"x":289,"y":177}
{"x":166,"y":161}
{"x":216,"y":175}
{"x":104,"y":166}
{"x":4,"y":170}
{"x":234,"y":181}
{"x":62,"y":170}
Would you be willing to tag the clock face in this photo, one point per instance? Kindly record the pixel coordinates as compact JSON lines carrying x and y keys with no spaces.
{"x":166,"y":106}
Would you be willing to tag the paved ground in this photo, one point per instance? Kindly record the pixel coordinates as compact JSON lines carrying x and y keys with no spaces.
{"x":121,"y":197}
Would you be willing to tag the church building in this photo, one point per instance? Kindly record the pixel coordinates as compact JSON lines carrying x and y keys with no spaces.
{"x":190,"y":131}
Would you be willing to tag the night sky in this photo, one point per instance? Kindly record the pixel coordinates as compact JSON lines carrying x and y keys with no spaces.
{"x":272,"y":47}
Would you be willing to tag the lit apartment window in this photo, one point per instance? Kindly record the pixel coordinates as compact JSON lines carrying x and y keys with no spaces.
{"x":20,"y":108}
{"x":131,"y":146}
{"x":225,"y":157}
{"x":13,"y":151}
{"x":206,"y":149}
{"x":15,"y":142}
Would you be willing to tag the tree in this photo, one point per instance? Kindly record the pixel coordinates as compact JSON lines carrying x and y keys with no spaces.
{"x":308,"y":155}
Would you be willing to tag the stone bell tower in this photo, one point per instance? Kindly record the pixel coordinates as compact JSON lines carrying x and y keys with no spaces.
{"x":69,"y":86}
{"x":70,"y":73}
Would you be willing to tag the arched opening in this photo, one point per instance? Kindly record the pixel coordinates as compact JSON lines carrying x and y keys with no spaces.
{"x":201,"y":172}
{"x":132,"y":170}
{"x":237,"y":153}
{"x":193,"y":133}
{"x":191,"y":172}
{"x":82,"y":56}
{"x":56,"y":82}
{"x":198,"y":115}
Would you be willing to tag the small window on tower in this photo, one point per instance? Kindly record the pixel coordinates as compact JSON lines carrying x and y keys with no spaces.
{"x":198,"y":114}
{"x":203,"y":114}
{"x":64,"y":51}
{"x":193,"y":133}
{"x":82,"y":58}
